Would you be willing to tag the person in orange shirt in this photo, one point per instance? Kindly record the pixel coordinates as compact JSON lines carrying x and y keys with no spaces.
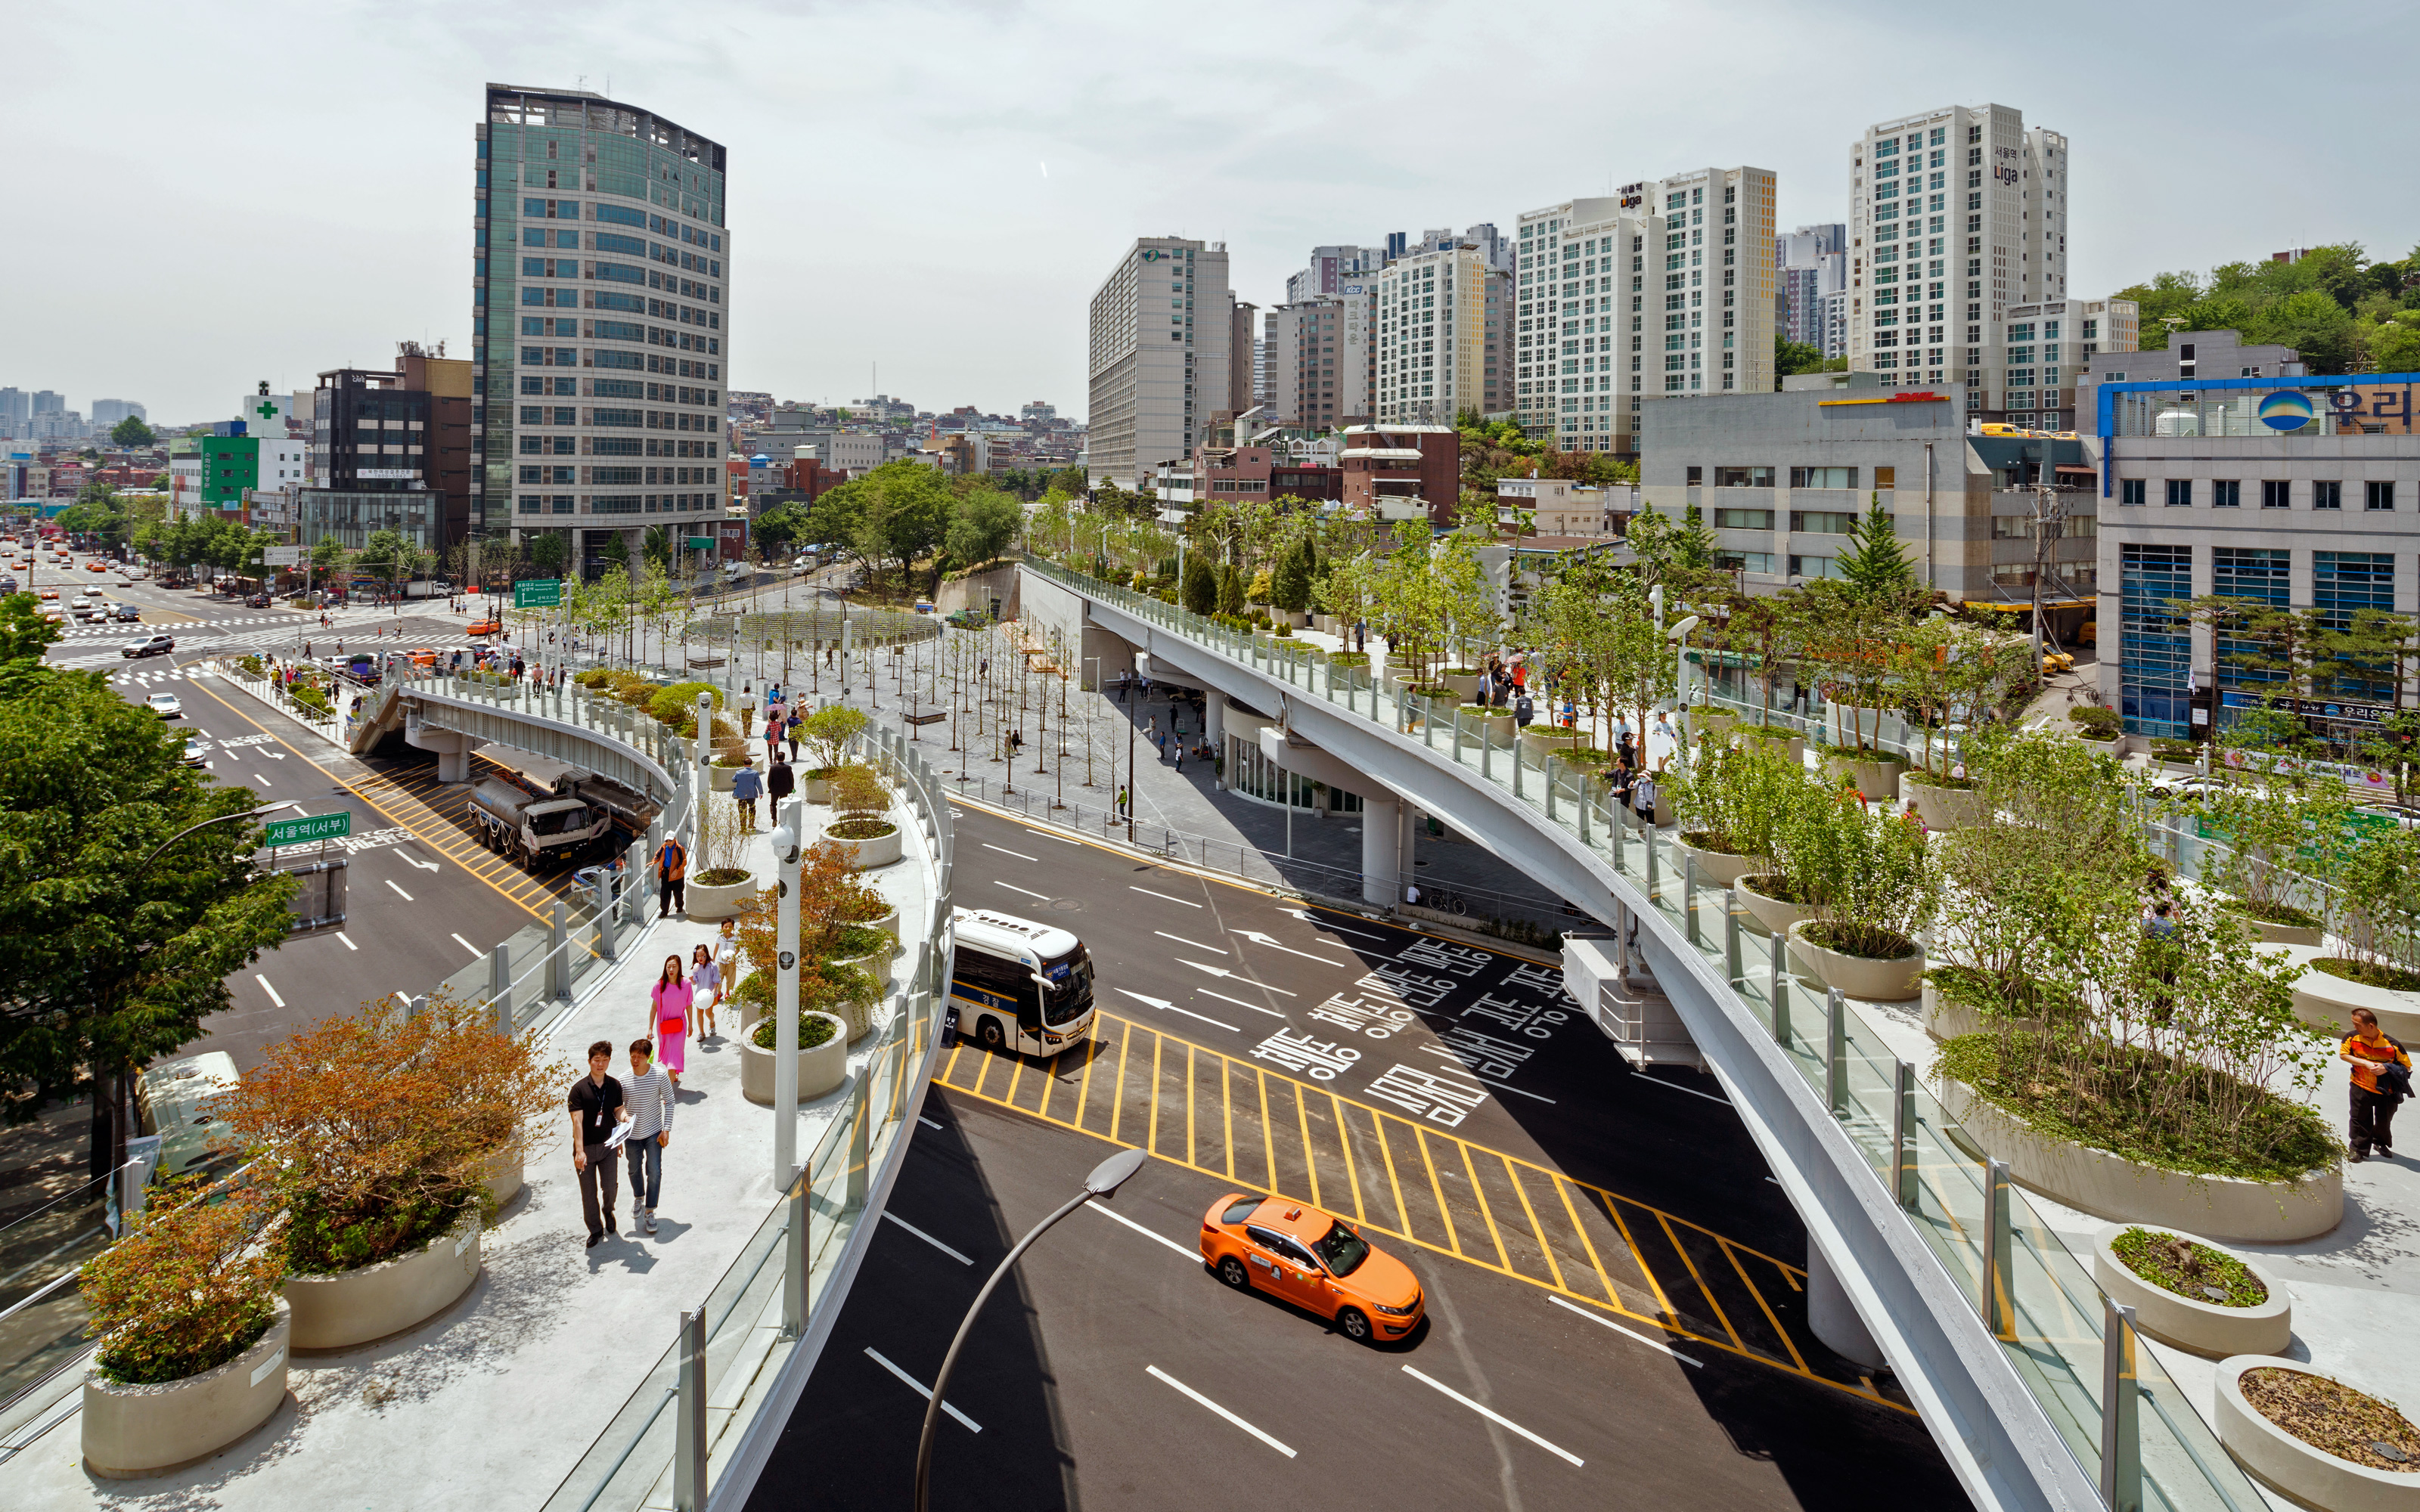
{"x":2370,"y":1053}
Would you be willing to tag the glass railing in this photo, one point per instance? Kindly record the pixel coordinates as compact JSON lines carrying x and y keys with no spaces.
{"x":2045,"y":1311}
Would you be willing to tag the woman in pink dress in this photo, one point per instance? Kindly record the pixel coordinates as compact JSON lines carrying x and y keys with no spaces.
{"x":669,"y":1022}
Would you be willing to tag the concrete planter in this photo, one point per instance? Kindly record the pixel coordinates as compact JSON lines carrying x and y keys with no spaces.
{"x":2114,"y":746}
{"x":1777,"y":916}
{"x":1858,"y":976}
{"x":1876,"y":775}
{"x":1947,"y":1018}
{"x":2287,"y":1465}
{"x":2325,"y":1001}
{"x":1793,"y":746}
{"x":134,"y":1431}
{"x":505,"y":1175}
{"x":814,"y":790}
{"x":336,"y":1312}
{"x":1717,"y":723}
{"x":2268,"y":933}
{"x":1546,"y":739}
{"x":2108,"y":1185}
{"x":717,"y":777}
{"x":881,"y":850}
{"x":1720,"y":869}
{"x":1494,"y":725}
{"x":1466,"y":689}
{"x":2204,"y":1328}
{"x":888,"y":923}
{"x":1942,"y":807}
{"x":708,"y":901}
{"x":820,"y":1069}
{"x":861,"y":1014}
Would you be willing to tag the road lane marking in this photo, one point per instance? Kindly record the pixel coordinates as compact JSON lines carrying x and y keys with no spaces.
{"x":1230,"y":1417}
{"x":413,"y":860}
{"x":399,"y":891}
{"x":1157,"y":1238}
{"x":1493,"y":1416}
{"x":1258,"y":938}
{"x":1165,"y":898}
{"x":1014,"y":887}
{"x":262,"y":780}
{"x":349,"y":944}
{"x":270,"y":991}
{"x":1256,"y":1007}
{"x":959,"y":1256}
{"x":926,"y":1122}
{"x":1691,"y":1090}
{"x":921,"y":1389}
{"x":1222,"y":971}
{"x":1632,"y":1333}
{"x":1324,"y":924}
{"x":468,"y":945}
{"x":1162,"y":1002}
{"x":1005,"y":851}
{"x":1182,"y":940}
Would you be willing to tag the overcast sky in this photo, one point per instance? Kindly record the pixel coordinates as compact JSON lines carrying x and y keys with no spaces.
{"x":209,"y":195}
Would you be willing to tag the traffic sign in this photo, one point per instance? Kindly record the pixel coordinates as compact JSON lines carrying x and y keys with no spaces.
{"x":311,"y":827}
{"x":701,"y":542}
{"x":281,"y":556}
{"x":538,"y":593}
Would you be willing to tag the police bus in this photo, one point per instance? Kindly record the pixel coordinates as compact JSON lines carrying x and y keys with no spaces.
{"x":1018,"y":985}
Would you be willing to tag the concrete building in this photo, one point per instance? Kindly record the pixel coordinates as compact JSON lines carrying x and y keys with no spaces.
{"x":2048,"y":349}
{"x":110,"y":411}
{"x":600,"y":315}
{"x":1594,"y":343}
{"x":1242,"y":386}
{"x":1158,"y":356}
{"x":16,"y":407}
{"x":1810,"y":264}
{"x":1401,"y":471}
{"x":1955,"y":216}
{"x":1319,"y":369}
{"x":1782,"y":478}
{"x":1432,"y":337}
{"x":391,"y":451}
{"x":221,"y":467}
{"x":1331,"y":267}
{"x":2282,"y":488}
{"x":2188,"y":355}
{"x":1559,"y":509}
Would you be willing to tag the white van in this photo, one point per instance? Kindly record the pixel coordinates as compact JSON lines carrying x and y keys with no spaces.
{"x":1015,"y":985}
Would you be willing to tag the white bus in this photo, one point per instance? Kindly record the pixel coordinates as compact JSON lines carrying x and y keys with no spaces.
{"x":1020,"y":985}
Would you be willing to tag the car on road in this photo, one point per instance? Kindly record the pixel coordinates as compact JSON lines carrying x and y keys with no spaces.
{"x":127,"y":613}
{"x":1313,"y":1259}
{"x":259,"y":601}
{"x":487,"y":626}
{"x":155,"y":646}
{"x":50,"y":592}
{"x":96,"y":564}
{"x":197,"y":751}
{"x":8,"y":584}
{"x":165,"y":705}
{"x":79,"y":603}
{"x":96,"y":612}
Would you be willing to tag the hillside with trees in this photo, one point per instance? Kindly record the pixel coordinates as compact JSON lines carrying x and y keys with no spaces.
{"x":2342,"y":311}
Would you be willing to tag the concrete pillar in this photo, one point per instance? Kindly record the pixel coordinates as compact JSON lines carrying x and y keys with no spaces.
{"x":1406,"y":847}
{"x":1214,"y":727}
{"x":1381,"y":835}
{"x":1833,"y":1317}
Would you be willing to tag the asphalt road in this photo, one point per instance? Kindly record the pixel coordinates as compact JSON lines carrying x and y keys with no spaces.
{"x":1610,"y":1274}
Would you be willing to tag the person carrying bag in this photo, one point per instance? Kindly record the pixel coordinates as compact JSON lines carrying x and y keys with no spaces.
{"x":2382,"y":1079}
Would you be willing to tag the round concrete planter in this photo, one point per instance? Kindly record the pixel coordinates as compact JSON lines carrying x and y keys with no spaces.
{"x":1793,"y":747}
{"x":2287,"y":1465}
{"x":2268,"y":934}
{"x":1877,"y":777}
{"x":1858,"y":976}
{"x":717,"y":777}
{"x":2204,"y":1328}
{"x":1776,"y":916}
{"x":336,"y":1312}
{"x":707,"y":901}
{"x":2325,"y":1000}
{"x":882,"y":850}
{"x":861,"y":1014}
{"x":505,"y":1175}
{"x":2108,"y":1185}
{"x":814,"y":790}
{"x":1947,"y":1018}
{"x":132,"y":1431}
{"x":820,"y":1069}
{"x":1942,"y":807}
{"x":1720,"y":869}
{"x":1466,"y":686}
{"x":1716,"y":723}
{"x":888,"y":923}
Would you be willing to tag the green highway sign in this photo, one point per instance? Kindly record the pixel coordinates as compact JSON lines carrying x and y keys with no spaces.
{"x":538,"y":593}
{"x":312,"y":827}
{"x":701,"y":542}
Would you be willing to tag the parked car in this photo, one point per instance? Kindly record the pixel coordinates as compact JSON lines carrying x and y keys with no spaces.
{"x":155,"y":646}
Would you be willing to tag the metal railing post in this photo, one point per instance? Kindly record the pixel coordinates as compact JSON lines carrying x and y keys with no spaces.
{"x":1903,"y":1161}
{"x":634,"y":893}
{"x":861,"y":1119}
{"x":558,"y":953}
{"x":1731,"y":943}
{"x":2122,"y":1407}
{"x":1995,"y":1242}
{"x":1779,"y":980}
{"x":1835,"y":1052}
{"x":1645,"y":834}
{"x":1546,"y":768}
{"x":795,"y":1257}
{"x":500,"y":986}
{"x":688,"y":1422}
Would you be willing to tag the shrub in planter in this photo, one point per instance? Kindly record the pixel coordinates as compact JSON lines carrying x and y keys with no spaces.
{"x":594,"y":677}
{"x":813,"y":1029}
{"x":2270,"y":834}
{"x":2189,"y":1268}
{"x":832,"y":896}
{"x":828,"y":732}
{"x":1867,"y":876}
{"x":1733,"y":802}
{"x":2316,"y":1439}
{"x":1348,"y":658}
{"x":676,"y":705}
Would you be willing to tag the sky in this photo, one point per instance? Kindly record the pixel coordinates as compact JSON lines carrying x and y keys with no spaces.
{"x":209,"y":195}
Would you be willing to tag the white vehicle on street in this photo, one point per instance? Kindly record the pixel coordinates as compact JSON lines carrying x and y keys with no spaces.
{"x":165,"y":705}
{"x":1016,"y":985}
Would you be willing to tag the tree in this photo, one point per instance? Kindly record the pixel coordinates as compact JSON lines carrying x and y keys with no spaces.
{"x":1200,"y":594}
{"x":1791,"y":358}
{"x":1231,"y":590}
{"x":130,"y":431}
{"x":1290,"y":586}
{"x":388,"y":557}
{"x":780,"y":528}
{"x":24,"y":631}
{"x":981,"y":523}
{"x":546,"y":550}
{"x":1874,"y":566}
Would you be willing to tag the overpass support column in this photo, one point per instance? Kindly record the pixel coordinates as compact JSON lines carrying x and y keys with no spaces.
{"x":1382,"y":824}
{"x":1214,"y":730}
{"x":1834,"y":1317}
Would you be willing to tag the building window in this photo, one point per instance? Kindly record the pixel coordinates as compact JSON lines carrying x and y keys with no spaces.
{"x":2327,"y":493}
{"x":2261,"y":576}
{"x":1823,"y":521}
{"x":1823,"y":477}
{"x":2155,"y":649}
{"x":2342,"y":582}
{"x":1743,"y":477}
{"x":2380,"y":494}
{"x":1743,"y":519}
{"x":2180,"y":492}
{"x":2130,"y":490}
{"x":2276,"y":493}
{"x":2226,"y":493}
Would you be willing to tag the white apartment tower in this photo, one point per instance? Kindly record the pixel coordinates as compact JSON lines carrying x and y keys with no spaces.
{"x":1666,"y":289}
{"x":1161,"y":326}
{"x":1432,"y":337}
{"x":1955,"y":216}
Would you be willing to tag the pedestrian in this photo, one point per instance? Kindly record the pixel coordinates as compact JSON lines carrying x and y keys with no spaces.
{"x":705,"y":981}
{"x":1624,"y":780}
{"x":648,"y":1102}
{"x":746,"y":788}
{"x":1622,"y":748}
{"x":1125,"y":678}
{"x":668,"y":1006}
{"x":1663,"y":731}
{"x":772,"y":737}
{"x":613,"y":873}
{"x":2381,"y":1078}
{"x":306,"y":651}
{"x":1180,"y":755}
{"x":779,"y":784}
{"x":1122,"y":800}
{"x":777,"y":707}
{"x":2159,"y":922}
{"x":672,"y":877}
{"x":726,"y":959}
{"x":791,"y":730}
{"x":1412,"y":893}
{"x":1643,"y":796}
{"x":595,"y":1104}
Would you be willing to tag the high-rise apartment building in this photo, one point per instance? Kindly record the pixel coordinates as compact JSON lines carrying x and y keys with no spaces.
{"x":1955,"y":215}
{"x":1810,"y":264}
{"x":1331,"y":267}
{"x":1432,"y":335}
{"x":1241,"y":386}
{"x":601,"y":318}
{"x":1158,"y":357}
{"x":1319,"y":364}
{"x":16,"y":407}
{"x":48,"y":403}
{"x":110,"y":411}
{"x":1665,"y":288}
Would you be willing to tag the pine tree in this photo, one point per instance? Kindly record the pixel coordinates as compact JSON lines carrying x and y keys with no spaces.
{"x":1200,"y":594}
{"x":1230,"y":591}
{"x":1290,"y":584}
{"x":1874,"y":566}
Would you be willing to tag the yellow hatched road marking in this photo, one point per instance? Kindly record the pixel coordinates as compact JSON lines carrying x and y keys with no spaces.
{"x":1153,"y":1143}
{"x":1269,"y":1140}
{"x":1227,"y":1107}
{"x":1344,"y":1142}
{"x":1014,"y":1078}
{"x":1310,"y":1152}
{"x":1437,"y":1185}
{"x":1117,"y":1102}
{"x":1403,"y":1214}
{"x":1535,"y":1226}
{"x":1639,"y":1255}
{"x":1563,"y":1189}
{"x":1795,"y":1358}
{"x":1188,"y":1101}
{"x":1084,"y":1089}
{"x":1503,"y":1257}
{"x":1703,"y":1291}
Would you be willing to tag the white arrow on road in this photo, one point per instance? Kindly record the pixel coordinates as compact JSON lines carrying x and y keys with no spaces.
{"x":1258,"y":938}
{"x":424,"y":865}
{"x":1324,"y":924}
{"x":1162,"y":1002}
{"x":1222,"y":971}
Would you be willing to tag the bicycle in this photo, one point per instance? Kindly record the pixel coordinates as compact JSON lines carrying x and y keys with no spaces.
{"x":1440,"y":899}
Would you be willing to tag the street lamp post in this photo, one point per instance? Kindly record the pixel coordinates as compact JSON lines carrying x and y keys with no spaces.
{"x":785,"y":998}
{"x":1104,"y":1180}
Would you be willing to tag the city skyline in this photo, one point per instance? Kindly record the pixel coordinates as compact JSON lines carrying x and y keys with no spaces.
{"x":1044,"y":121}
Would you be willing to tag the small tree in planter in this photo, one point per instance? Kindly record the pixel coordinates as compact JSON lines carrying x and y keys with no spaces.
{"x":2095,"y":723}
{"x":2268,"y":835}
{"x":1733,"y":802}
{"x":189,"y":1287}
{"x":828,"y":732}
{"x":2374,"y":870}
{"x":862,"y":800}
{"x":1867,"y":878}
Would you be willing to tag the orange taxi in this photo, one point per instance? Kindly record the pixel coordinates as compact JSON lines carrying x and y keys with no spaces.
{"x":96,"y":564}
{"x":485,"y":627}
{"x":1313,"y":1259}
{"x":50,"y":592}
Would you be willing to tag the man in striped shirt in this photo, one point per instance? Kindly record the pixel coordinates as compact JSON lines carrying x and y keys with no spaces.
{"x":648,"y":1103}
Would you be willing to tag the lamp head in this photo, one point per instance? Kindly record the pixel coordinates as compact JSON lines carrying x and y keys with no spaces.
{"x":1683,"y":628}
{"x":1112,"y":1173}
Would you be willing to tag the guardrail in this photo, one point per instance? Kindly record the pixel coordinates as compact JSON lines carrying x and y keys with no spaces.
{"x":2037,"y":1302}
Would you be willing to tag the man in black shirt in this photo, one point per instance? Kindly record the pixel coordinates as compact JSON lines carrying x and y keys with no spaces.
{"x":595,"y":1107}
